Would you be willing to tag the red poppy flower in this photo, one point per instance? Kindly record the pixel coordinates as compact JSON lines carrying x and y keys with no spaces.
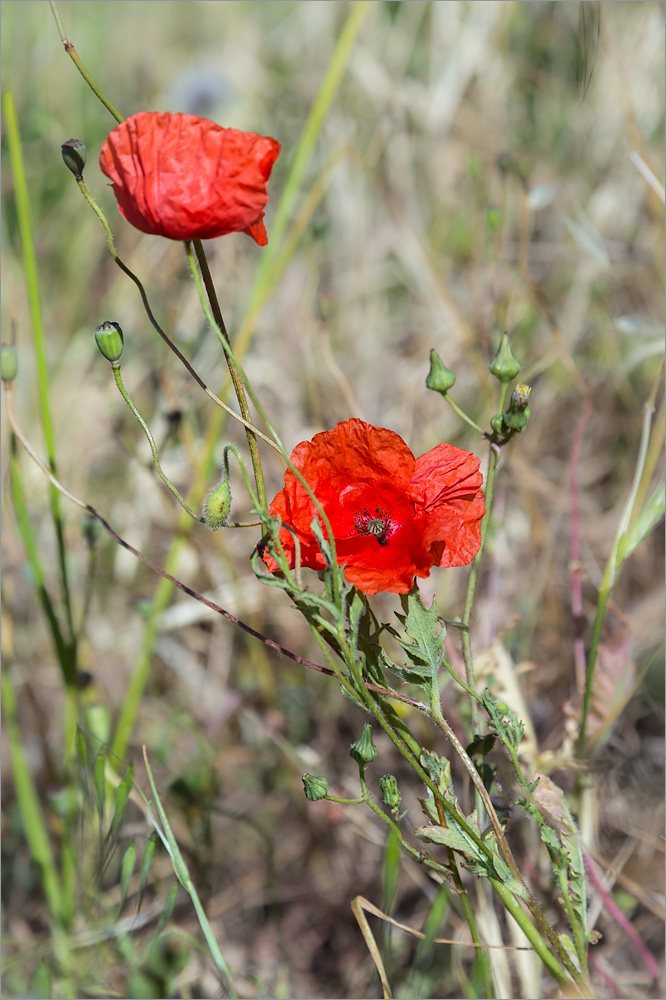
{"x":393,"y":516}
{"x":187,"y":178}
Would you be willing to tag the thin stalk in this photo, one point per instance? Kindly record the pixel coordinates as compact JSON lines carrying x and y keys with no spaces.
{"x":613,"y":567}
{"x":513,"y":907}
{"x":73,"y":55}
{"x":236,"y":379}
{"x":34,"y":302}
{"x":115,"y":365}
{"x":156,"y":326}
{"x":463,"y":415}
{"x":32,"y":817}
{"x":182,"y":873}
{"x":493,"y":459}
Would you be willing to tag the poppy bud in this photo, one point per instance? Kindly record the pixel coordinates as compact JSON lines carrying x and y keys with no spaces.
{"x":439,"y":378}
{"x":8,"y":363}
{"x":110,"y":340}
{"x":315,"y":788}
{"x":364,"y":750}
{"x":74,"y":155}
{"x":217,"y":505}
{"x":391,"y":792}
{"x":504,"y":366}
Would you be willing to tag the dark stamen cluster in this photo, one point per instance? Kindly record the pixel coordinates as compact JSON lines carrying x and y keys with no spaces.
{"x":377,"y":523}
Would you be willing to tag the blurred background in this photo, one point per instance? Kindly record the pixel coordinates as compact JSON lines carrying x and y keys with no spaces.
{"x":483,"y":167}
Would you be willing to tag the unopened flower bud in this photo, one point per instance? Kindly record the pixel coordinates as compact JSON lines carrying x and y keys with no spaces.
{"x":520,"y":397}
{"x":364,"y":750}
{"x":391,"y":792}
{"x":217,"y":505}
{"x":315,"y":788}
{"x":439,"y":378}
{"x":8,"y":363}
{"x":504,"y":366}
{"x":110,"y":340}
{"x":74,"y":155}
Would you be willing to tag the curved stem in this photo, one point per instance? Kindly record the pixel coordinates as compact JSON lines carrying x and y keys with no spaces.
{"x":156,"y":326}
{"x":73,"y":55}
{"x":233,"y":371}
{"x":493,"y":459}
{"x":115,"y":365}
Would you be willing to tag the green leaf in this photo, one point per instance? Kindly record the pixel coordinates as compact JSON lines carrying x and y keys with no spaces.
{"x":167,"y":909}
{"x":426,"y":650}
{"x":502,"y":869}
{"x":99,"y":778}
{"x":126,"y":871}
{"x":146,"y":865}
{"x":648,"y":519}
{"x":122,"y":795}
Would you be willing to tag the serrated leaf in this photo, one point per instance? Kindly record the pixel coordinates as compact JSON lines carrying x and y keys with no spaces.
{"x":453,"y":837}
{"x":422,"y":626}
{"x":406,"y":674}
{"x":502,"y":869}
{"x":429,"y":807}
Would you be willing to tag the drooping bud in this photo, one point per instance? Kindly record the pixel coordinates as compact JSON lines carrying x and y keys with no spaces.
{"x":439,"y":378}
{"x":391,"y":792}
{"x":8,"y":363}
{"x":217,"y":505}
{"x":74,"y":156}
{"x":504,"y":366}
{"x":110,"y":340}
{"x":364,"y":750}
{"x":315,"y":788}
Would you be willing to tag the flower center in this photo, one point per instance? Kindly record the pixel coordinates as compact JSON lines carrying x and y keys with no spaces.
{"x":377,"y":523}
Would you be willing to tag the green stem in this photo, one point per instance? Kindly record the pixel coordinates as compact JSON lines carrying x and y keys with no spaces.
{"x":468,"y":660}
{"x":513,"y":907}
{"x":39,"y":340}
{"x":73,"y":55}
{"x":463,"y":415}
{"x":32,"y":817}
{"x":180,"y":868}
{"x":115,"y":365}
{"x":146,"y":305}
{"x":236,"y":379}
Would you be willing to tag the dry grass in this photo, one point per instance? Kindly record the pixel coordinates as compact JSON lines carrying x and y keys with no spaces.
{"x":449,"y":112}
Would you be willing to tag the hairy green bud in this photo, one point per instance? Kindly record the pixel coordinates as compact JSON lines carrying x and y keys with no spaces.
{"x":391,"y":792}
{"x":315,"y":788}
{"x":217,"y":506}
{"x":439,"y":378}
{"x":504,"y":366}
{"x":364,"y":750}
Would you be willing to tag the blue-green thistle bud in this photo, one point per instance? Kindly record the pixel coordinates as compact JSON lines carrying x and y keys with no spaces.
{"x":315,"y":788}
{"x":439,"y":378}
{"x":364,"y":750}
{"x":8,"y":363}
{"x":217,"y":506}
{"x":391,"y":792}
{"x":504,"y":366}
{"x":110,"y":340}
{"x":74,"y":156}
